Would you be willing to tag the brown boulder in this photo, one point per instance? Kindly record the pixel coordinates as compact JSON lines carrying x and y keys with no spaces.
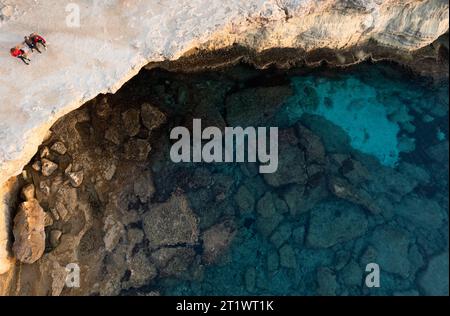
{"x":29,"y":234}
{"x":152,"y":118}
{"x":216,"y":240}
{"x":137,"y":149}
{"x":171,"y":223}
{"x":131,"y":122}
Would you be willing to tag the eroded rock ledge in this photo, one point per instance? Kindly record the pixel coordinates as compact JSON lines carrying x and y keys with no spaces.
{"x":429,"y":61}
{"x":58,"y":82}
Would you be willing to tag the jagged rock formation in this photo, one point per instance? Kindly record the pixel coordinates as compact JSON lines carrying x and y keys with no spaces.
{"x":29,"y":224}
{"x":99,"y":57}
{"x":107,"y":220}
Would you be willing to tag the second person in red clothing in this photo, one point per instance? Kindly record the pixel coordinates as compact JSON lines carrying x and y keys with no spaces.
{"x":37,"y":39}
{"x":20,"y":53}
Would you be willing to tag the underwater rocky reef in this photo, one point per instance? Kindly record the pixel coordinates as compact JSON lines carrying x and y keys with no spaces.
{"x":362,"y":178}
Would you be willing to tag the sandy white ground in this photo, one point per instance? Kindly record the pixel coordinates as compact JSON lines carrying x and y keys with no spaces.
{"x":116,"y":38}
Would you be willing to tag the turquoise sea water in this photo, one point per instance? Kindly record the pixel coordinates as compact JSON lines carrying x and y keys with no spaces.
{"x":385,"y":134}
{"x":352,"y":105}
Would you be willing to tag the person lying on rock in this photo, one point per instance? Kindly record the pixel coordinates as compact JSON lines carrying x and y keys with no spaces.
{"x":37,"y":39}
{"x":31,"y":45}
{"x":18,"y":52}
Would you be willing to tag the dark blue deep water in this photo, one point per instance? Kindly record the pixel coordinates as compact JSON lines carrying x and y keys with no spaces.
{"x":362,"y":179}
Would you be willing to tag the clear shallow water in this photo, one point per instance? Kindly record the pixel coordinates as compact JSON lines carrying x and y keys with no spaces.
{"x":356,"y":107}
{"x":385,"y":136}
{"x":376,"y":112}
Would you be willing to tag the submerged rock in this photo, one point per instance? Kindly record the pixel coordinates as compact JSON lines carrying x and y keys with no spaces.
{"x":216,"y":240}
{"x":173,"y":261}
{"x":352,"y":274}
{"x":344,"y":190}
{"x":273,"y":261}
{"x":312,"y":144}
{"x":281,"y":235}
{"x":152,"y":117}
{"x":112,"y":135}
{"x":300,"y":200}
{"x":142,"y":271}
{"x":250,"y":279}
{"x":439,"y":152}
{"x":421,"y":212}
{"x":291,"y":165}
{"x":326,"y":282}
{"x":334,"y":222}
{"x":270,"y":209}
{"x":298,"y":235}
{"x":137,"y":149}
{"x":392,"y":246}
{"x":353,"y":170}
{"x":143,"y":187}
{"x":270,"y":204}
{"x":171,"y":223}
{"x":434,"y":280}
{"x":287,"y":257}
{"x":113,"y":232}
{"x":131,"y":122}
{"x":255,"y":107}
{"x":245,"y":200}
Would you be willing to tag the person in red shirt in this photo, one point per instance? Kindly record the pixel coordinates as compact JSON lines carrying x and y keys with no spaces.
{"x":31,"y":45}
{"x":37,"y":39}
{"x":20,"y":53}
